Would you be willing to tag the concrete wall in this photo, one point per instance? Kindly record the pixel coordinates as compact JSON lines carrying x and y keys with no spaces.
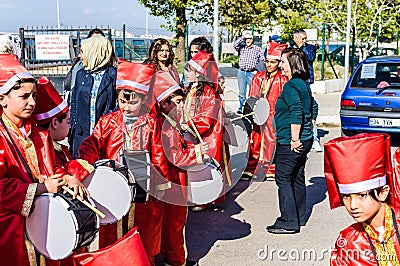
{"x":328,"y":86}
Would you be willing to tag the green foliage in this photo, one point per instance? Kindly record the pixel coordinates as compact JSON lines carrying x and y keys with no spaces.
{"x":233,"y":59}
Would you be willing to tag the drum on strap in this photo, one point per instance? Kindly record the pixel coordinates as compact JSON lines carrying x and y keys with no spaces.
{"x":257,"y":110}
{"x":108,"y":187}
{"x":60,"y":224}
{"x":237,"y":132}
{"x":204,"y":182}
{"x":138,"y":163}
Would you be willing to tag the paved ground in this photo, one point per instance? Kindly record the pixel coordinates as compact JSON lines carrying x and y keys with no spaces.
{"x":233,"y":233}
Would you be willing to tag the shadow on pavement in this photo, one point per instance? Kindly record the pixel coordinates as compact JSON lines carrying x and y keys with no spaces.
{"x":228,"y":72}
{"x":215,"y":223}
{"x":316,"y":193}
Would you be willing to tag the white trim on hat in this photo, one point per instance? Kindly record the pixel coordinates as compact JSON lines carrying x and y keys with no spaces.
{"x":274,"y":57}
{"x":133,"y":84}
{"x":197,"y":67}
{"x":167,"y":92}
{"x":52,"y":112}
{"x":362,"y":185}
{"x":11,"y":81}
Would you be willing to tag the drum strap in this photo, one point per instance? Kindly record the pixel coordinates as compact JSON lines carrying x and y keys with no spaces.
{"x":28,"y":170}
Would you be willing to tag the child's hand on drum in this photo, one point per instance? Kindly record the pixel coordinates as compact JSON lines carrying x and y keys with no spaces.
{"x":51,"y":184}
{"x":76,"y":186}
{"x":203,"y":147}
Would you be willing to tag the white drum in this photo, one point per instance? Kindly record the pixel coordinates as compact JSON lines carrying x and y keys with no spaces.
{"x":59,"y":225}
{"x":109,"y":189}
{"x":237,"y":133}
{"x":205,"y":182}
{"x":260,"y":109}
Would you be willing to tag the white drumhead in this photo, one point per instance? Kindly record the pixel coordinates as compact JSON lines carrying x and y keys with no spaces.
{"x":261,"y":111}
{"x":204,"y":184}
{"x":51,"y":227}
{"x":110,"y":192}
{"x":235,"y":135}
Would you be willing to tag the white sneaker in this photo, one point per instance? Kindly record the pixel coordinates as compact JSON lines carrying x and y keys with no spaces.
{"x":316,"y":146}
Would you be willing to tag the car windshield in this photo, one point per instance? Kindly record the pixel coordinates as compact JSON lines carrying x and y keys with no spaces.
{"x":374,"y":75}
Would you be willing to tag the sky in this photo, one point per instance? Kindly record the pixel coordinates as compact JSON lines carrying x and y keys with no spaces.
{"x":90,"y":13}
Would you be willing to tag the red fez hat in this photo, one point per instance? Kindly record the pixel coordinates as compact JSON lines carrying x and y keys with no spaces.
{"x":49,"y":103}
{"x":133,"y":253}
{"x":11,"y":71}
{"x":356,"y":164}
{"x":205,"y":64}
{"x":134,"y":76}
{"x":163,"y":85}
{"x":275,"y":50}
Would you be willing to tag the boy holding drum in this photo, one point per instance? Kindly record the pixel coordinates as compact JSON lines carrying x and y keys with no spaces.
{"x":130,"y":127}
{"x":27,"y":161}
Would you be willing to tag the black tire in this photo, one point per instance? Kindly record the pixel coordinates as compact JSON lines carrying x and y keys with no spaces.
{"x":349,"y":133}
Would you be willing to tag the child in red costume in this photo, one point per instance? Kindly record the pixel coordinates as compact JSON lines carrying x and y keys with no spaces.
{"x":27,"y":162}
{"x":266,"y":84}
{"x":363,"y":187}
{"x":52,"y":114}
{"x":203,"y":110}
{"x":180,"y":155}
{"x":121,"y":129}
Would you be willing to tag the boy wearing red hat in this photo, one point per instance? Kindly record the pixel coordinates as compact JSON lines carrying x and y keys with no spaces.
{"x":170,"y":97}
{"x":363,"y":187}
{"x":266,"y":84}
{"x":27,"y":161}
{"x":132,"y":128}
{"x":203,"y":109}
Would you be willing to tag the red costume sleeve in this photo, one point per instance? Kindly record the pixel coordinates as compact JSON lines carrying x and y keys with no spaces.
{"x":255,"y":85}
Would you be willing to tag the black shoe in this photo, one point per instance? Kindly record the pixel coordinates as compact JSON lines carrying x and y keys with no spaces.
{"x":276,"y":230}
{"x":239,"y":112}
{"x":192,"y":263}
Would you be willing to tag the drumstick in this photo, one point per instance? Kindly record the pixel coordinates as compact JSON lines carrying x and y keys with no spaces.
{"x":90,"y":206}
{"x":240,"y":117}
{"x":194,"y":127}
{"x":232,"y":90}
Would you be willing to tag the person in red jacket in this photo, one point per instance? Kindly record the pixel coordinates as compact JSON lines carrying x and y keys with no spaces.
{"x":27,"y":162}
{"x":129,"y":128}
{"x":203,"y":110}
{"x":364,"y":187}
{"x":266,"y":84}
{"x":180,"y":155}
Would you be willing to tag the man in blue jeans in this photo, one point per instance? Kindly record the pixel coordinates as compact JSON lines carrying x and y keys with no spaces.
{"x":300,"y":41}
{"x":249,"y":56}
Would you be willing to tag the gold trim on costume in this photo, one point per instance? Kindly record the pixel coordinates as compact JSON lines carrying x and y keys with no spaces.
{"x":29,"y":197}
{"x":163,"y":186}
{"x":85,"y":164}
{"x":384,"y":250}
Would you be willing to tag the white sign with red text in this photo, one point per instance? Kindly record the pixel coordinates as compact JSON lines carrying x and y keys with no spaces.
{"x":52,"y":47}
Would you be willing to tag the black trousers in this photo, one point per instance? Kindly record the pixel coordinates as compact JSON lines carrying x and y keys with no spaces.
{"x":290,"y":179}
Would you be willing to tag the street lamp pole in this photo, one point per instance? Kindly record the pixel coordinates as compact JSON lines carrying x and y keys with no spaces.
{"x":215,"y":33}
{"x":58,"y":16}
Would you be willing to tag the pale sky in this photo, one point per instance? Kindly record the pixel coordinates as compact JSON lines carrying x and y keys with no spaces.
{"x":90,"y":13}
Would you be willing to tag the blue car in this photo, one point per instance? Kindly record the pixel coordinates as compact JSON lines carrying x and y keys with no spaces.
{"x":371,"y":99}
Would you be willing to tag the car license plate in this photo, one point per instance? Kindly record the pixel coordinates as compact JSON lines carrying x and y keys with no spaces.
{"x":384,"y":122}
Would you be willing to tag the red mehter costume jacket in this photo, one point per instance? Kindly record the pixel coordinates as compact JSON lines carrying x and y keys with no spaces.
{"x":207,"y":115}
{"x":262,"y":144}
{"x":17,"y":190}
{"x":353,"y":248}
{"x":106,"y":142}
{"x":179,"y":155}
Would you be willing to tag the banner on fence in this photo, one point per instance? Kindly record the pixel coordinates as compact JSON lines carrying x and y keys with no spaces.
{"x":52,"y":47}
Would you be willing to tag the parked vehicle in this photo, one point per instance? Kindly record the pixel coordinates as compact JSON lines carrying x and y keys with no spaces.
{"x":371,"y":99}
{"x":382,"y":51}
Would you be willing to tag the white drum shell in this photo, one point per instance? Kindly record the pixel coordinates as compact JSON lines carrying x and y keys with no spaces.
{"x":205,"y":183}
{"x":51,"y":227}
{"x":111,"y":193}
{"x":261,"y":109}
